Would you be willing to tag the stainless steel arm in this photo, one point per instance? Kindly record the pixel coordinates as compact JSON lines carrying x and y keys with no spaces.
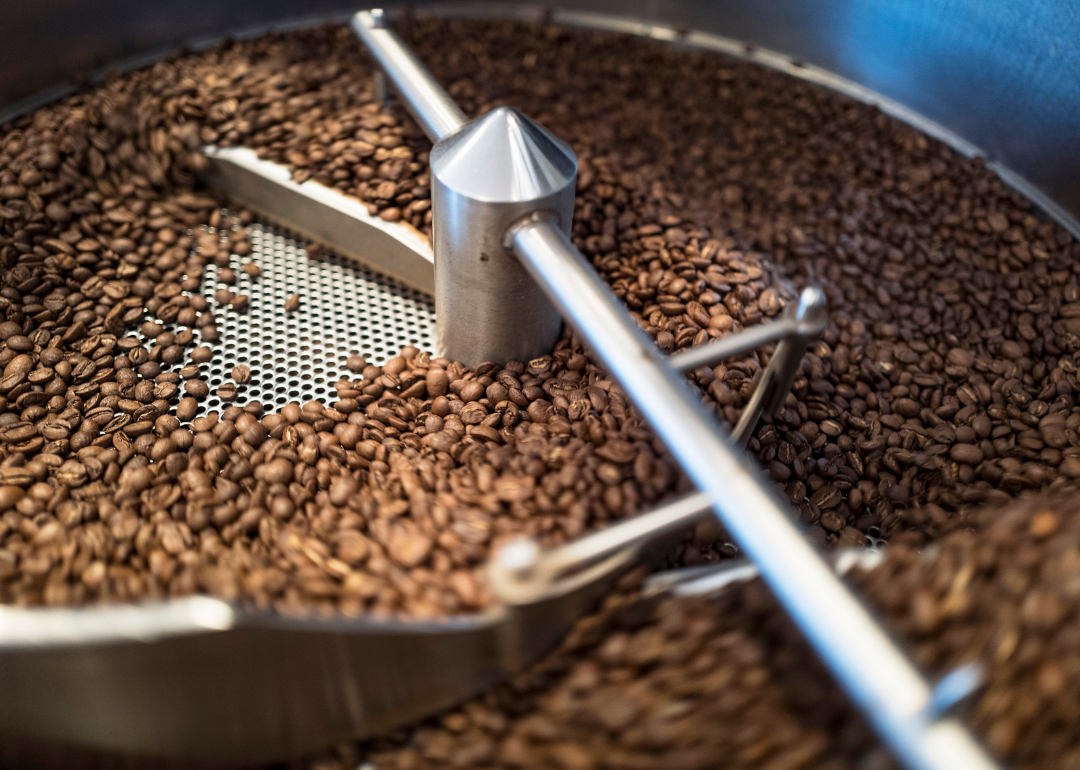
{"x":808,"y":319}
{"x":522,"y":571}
{"x":746,"y":341}
{"x":802,"y":322}
{"x":432,"y":107}
{"x":872,"y":670}
{"x":876,"y":675}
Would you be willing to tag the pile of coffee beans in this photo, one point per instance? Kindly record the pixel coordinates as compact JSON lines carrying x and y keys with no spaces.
{"x":1006,"y":597}
{"x":946,"y":379}
{"x":948,"y":371}
{"x":388,"y":500}
{"x":645,"y":683}
{"x":728,"y":681}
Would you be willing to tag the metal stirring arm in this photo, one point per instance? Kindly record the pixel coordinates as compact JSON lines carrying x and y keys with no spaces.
{"x":804,"y":320}
{"x":199,"y":681}
{"x":435,"y":112}
{"x":875,"y":674}
{"x":801,"y":324}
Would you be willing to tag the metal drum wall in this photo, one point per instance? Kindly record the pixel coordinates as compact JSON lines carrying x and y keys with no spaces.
{"x":1003,"y":76}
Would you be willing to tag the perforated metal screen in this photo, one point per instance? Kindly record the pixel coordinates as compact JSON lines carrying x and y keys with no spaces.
{"x":345,"y":308}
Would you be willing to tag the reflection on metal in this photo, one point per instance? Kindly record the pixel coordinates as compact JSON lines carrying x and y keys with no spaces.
{"x":877,"y":676}
{"x":322,"y":214}
{"x":521,"y":571}
{"x":422,"y":95}
{"x":956,"y":689}
{"x":497,"y":169}
{"x":481,"y":290}
{"x":802,"y":322}
{"x":199,"y":681}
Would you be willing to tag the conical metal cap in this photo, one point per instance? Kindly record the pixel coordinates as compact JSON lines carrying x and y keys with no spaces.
{"x":504,"y":157}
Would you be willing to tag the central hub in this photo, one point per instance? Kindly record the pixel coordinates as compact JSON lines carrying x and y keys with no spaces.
{"x":494,"y":171}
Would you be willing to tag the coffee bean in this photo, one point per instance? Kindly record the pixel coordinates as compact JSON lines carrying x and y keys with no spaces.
{"x":278,"y":471}
{"x":226,"y":391}
{"x":621,"y":675}
{"x":966,"y":453}
{"x":19,"y":343}
{"x":1005,"y":580}
{"x":252,"y":269}
{"x":197,"y":388}
{"x":952,"y":338}
{"x":472,"y":391}
{"x":292,"y":303}
{"x":9,"y":496}
{"x":241,"y":373}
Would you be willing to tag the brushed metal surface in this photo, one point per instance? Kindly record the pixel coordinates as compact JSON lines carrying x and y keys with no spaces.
{"x":198,"y":682}
{"x":322,"y":214}
{"x":494,"y":171}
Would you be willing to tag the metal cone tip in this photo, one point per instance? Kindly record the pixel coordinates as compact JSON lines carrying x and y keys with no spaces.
{"x":504,"y":157}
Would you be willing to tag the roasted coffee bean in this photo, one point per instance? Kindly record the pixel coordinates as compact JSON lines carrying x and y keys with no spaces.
{"x":241,"y":373}
{"x":292,"y":303}
{"x":187,"y":408}
{"x":252,"y":269}
{"x":641,"y":684}
{"x":197,"y":388}
{"x":947,"y":375}
{"x":997,"y":596}
{"x":226,"y":391}
{"x":19,"y":343}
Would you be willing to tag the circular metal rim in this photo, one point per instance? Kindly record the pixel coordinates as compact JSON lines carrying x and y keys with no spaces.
{"x":173,"y":618}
